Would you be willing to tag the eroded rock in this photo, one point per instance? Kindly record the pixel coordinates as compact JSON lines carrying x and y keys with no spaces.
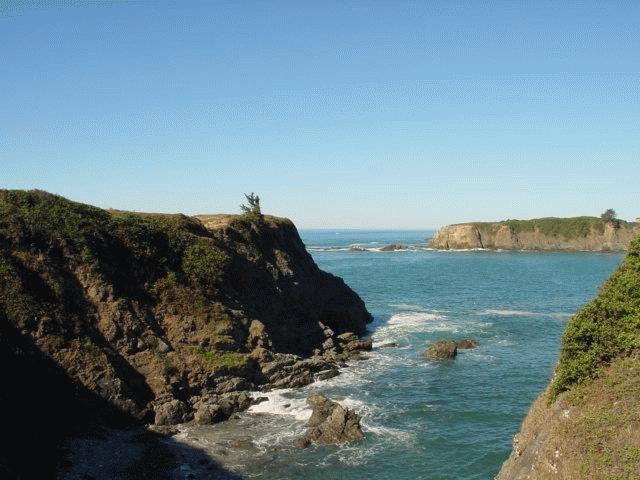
{"x":330,"y":423}
{"x":442,"y":350}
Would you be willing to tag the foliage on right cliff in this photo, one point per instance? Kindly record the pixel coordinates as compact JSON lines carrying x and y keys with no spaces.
{"x":587,"y":423}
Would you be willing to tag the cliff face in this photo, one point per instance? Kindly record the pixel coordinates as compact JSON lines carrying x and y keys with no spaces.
{"x":574,"y":234}
{"x":160,"y":316}
{"x":587,"y":423}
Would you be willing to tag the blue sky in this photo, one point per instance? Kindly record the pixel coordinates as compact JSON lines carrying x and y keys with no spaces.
{"x":376,"y":114}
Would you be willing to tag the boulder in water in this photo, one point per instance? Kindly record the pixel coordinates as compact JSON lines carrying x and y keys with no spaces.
{"x":442,"y":350}
{"x":330,"y":423}
{"x":393,"y":247}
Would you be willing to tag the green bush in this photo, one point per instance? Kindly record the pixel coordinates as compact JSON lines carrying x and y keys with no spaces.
{"x":47,"y":219}
{"x":203,"y":261}
{"x":607,"y":327}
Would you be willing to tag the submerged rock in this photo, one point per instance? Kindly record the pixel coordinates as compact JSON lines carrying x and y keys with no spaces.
{"x":330,"y":423}
{"x":442,"y":350}
{"x":467,"y":344}
{"x":393,"y":247}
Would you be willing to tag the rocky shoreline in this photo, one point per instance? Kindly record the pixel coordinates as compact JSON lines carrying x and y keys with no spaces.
{"x":160,"y":319}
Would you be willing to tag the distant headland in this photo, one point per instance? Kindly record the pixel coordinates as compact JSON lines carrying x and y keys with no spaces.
{"x":600,"y":234}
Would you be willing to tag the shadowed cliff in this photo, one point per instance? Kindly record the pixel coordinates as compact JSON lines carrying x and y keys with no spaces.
{"x":154,"y":316}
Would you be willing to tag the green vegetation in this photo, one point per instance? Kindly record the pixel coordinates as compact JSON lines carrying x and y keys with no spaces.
{"x":222,"y":359}
{"x":604,"y":329}
{"x":49,"y":219}
{"x":252,"y":210}
{"x":610,"y":216}
{"x":568,"y":228}
{"x":600,"y":430}
{"x":149,"y":246}
{"x":203,"y":261}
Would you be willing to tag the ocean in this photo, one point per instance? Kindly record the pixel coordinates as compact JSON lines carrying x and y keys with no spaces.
{"x":422,"y":419}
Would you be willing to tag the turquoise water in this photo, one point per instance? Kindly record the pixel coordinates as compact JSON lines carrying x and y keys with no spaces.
{"x":428,"y":420}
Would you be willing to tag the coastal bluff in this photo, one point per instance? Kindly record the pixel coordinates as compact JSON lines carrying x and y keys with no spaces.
{"x":123,"y":318}
{"x":569,"y":234}
{"x":586,"y":424}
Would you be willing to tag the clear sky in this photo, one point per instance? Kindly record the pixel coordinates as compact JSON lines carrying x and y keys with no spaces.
{"x":371,"y":113}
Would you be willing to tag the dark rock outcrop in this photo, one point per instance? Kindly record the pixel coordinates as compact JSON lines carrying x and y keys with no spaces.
{"x":330,"y":423}
{"x":442,"y":350}
{"x":167,"y":317}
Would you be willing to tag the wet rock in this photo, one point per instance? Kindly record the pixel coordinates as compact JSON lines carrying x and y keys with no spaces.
{"x":347,"y":337}
{"x":357,"y":345}
{"x":357,"y":248}
{"x":208,"y":414}
{"x":327,"y":374}
{"x":467,"y":344}
{"x":331,"y":423}
{"x":390,"y":345}
{"x":357,"y":356}
{"x":302,"y":442}
{"x":393,"y":247}
{"x":171,"y":413}
{"x":217,"y":408}
{"x":442,"y":350}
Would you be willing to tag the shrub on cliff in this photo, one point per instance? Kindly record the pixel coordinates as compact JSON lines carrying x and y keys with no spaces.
{"x":606,"y":328}
{"x":204,"y":262}
{"x":252,"y":211}
{"x":609,"y":216}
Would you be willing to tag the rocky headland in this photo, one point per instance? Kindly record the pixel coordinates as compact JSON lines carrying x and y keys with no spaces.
{"x":129,"y":318}
{"x":571,"y":234}
{"x":587,"y":422}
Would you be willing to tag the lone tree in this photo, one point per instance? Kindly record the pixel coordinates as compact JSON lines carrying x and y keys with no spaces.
{"x":252,"y":209}
{"x":609,"y":216}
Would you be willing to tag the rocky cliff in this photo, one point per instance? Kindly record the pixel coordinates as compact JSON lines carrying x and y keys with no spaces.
{"x":587,"y":423}
{"x":161,"y":318}
{"x":574,"y":234}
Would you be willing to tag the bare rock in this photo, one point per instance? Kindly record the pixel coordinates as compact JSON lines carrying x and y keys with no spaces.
{"x":327,"y":374}
{"x":442,"y":350}
{"x":331,"y":423}
{"x":171,"y":413}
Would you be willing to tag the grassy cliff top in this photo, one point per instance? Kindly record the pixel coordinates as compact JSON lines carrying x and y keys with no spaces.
{"x":570,"y":227}
{"x":218,"y":221}
{"x":606,"y":328}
